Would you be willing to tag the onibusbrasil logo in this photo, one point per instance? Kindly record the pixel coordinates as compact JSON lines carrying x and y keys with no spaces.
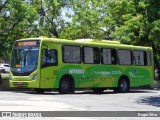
{"x":21,"y":114}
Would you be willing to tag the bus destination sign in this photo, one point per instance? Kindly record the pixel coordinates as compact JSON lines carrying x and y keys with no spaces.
{"x":27,"y":43}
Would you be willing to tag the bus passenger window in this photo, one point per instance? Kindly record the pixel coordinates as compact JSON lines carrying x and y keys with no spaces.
{"x":124,"y":57}
{"x":53,"y":57}
{"x":43,"y":59}
{"x":114,"y":56}
{"x":49,"y":57}
{"x":138,"y":58}
{"x":106,"y":56}
{"x":91,"y":55}
{"x":96,"y":55}
{"x":88,"y":55}
{"x":71,"y":54}
{"x":149,"y":59}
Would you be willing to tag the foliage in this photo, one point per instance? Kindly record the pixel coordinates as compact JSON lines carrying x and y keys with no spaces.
{"x":27,"y":18}
{"x":50,"y":17}
{"x":134,"y":22}
{"x":88,"y":20}
{"x":17,"y":21}
{"x":131,"y":22}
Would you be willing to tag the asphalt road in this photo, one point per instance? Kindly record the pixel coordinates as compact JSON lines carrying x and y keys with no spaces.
{"x":136,"y":100}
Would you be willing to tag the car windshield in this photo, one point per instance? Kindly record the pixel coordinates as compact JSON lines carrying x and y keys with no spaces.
{"x":24,"y":60}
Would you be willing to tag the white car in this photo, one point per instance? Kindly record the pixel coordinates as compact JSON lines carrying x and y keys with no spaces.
{"x":6,"y":67}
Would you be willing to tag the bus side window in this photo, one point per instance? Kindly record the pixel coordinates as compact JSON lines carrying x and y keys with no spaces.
{"x":88,"y":55}
{"x":71,"y":54}
{"x":96,"y":56}
{"x":145,"y":58}
{"x":124,"y":57}
{"x":106,"y":56}
{"x":49,"y":57}
{"x":91,"y":55}
{"x":114,"y":56}
{"x":139,"y":58}
{"x":43,"y":59}
{"x":149,"y":59}
{"x":53,"y":56}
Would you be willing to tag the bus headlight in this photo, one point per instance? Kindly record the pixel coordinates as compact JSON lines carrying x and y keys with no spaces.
{"x":34,"y":76}
{"x":10,"y":77}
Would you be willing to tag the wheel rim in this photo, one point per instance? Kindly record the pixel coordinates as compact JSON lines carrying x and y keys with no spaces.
{"x":65,"y":85}
{"x":123,"y":85}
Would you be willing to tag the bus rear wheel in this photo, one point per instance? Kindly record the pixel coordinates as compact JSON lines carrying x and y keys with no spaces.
{"x":66,"y":86}
{"x":123,"y":86}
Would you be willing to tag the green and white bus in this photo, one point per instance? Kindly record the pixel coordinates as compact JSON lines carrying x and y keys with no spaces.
{"x":66,"y":65}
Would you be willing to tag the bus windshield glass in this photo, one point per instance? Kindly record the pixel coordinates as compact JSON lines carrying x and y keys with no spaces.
{"x":24,"y":57}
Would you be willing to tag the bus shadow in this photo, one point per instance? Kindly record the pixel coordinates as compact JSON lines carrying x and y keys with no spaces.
{"x":86,"y":92}
{"x":112,"y":92}
{"x":151,"y":100}
{"x":142,"y":91}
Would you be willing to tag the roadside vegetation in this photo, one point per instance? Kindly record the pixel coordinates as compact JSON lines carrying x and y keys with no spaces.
{"x":134,"y":22}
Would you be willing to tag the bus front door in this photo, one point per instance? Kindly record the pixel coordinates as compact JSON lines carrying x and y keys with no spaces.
{"x":49,"y":64}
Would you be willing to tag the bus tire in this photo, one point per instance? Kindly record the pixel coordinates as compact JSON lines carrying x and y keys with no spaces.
{"x":123,"y":85}
{"x":39,"y":90}
{"x":98,"y":90}
{"x":66,"y":85}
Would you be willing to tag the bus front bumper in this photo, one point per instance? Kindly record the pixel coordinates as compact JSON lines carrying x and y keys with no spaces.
{"x":23,"y":84}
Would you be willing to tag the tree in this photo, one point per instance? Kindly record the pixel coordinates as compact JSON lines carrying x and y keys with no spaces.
{"x":17,"y":21}
{"x":88,"y":20}
{"x":133,"y":22}
{"x":29,"y":18}
{"x":50,"y":16}
{"x":139,"y":24}
{"x":130,"y":22}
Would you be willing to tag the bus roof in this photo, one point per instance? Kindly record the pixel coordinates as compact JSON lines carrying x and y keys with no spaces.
{"x":90,"y":42}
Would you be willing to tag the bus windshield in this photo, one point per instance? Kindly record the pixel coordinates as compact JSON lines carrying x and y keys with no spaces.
{"x":24,"y":60}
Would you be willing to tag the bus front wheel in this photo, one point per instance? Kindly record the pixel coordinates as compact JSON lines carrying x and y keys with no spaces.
{"x":123,"y":86}
{"x":66,"y":86}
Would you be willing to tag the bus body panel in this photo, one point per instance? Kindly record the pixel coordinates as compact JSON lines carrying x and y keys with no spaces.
{"x":84,"y":75}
